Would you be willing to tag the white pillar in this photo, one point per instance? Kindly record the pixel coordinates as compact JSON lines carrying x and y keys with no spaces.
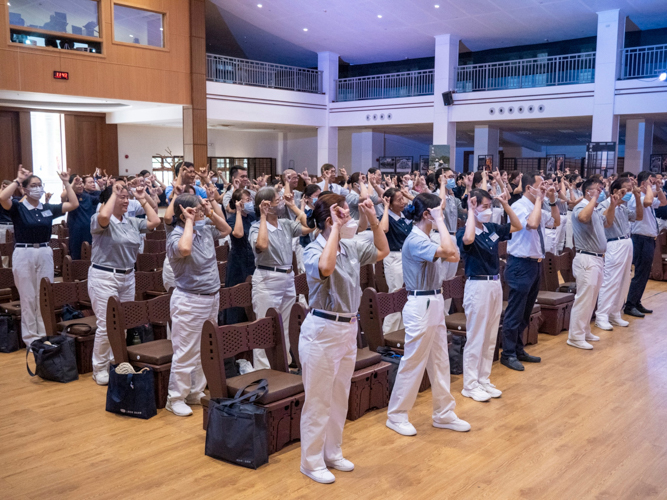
{"x":371,"y":146}
{"x":327,"y":137}
{"x":444,"y":80}
{"x":610,"y":36}
{"x":638,"y":144}
{"x":486,"y":143}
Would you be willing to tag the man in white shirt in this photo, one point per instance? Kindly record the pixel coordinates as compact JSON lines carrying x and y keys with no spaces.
{"x":329,"y":178}
{"x":238,"y":177}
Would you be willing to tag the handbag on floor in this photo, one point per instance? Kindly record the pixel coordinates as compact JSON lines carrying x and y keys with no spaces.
{"x":131,"y":393}
{"x":9,"y":339}
{"x":237,"y":430}
{"x":55,"y":358}
{"x":395,"y":359}
{"x":456,"y":354}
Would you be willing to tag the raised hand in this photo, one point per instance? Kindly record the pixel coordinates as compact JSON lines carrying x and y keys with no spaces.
{"x":118,"y":188}
{"x":140,"y":193}
{"x":206,"y":206}
{"x":265,"y":208}
{"x":190,"y":213}
{"x":472,"y":203}
{"x":289,"y":199}
{"x":342,"y":171}
{"x":47,"y":197}
{"x":436,"y":212}
{"x":338,"y":215}
{"x":64,"y":176}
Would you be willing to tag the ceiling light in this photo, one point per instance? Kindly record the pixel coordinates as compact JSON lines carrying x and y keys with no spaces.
{"x":662,"y":77}
{"x":131,"y":36}
{"x":259,"y":5}
{"x":161,"y":29}
{"x":436,"y":6}
{"x":305,"y":29}
{"x":379,"y":16}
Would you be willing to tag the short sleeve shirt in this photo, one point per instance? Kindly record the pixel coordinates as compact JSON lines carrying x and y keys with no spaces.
{"x":481,"y":256}
{"x":279,"y":253}
{"x":33,"y":224}
{"x":589,"y":236}
{"x":352,"y":199}
{"x":622,"y":218}
{"x":341,"y":291}
{"x":117,"y":245}
{"x":648,"y":226}
{"x":197,"y":272}
{"x":420,"y":269}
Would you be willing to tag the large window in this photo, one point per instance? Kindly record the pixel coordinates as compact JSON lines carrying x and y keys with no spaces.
{"x":48,"y":149}
{"x":163,"y":168}
{"x":76,"y":17}
{"x":138,"y":26}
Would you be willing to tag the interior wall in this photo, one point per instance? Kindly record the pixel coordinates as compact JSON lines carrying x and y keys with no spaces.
{"x":301,"y":151}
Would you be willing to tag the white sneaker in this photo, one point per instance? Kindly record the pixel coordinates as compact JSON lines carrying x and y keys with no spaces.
{"x":178,"y":408}
{"x":194,"y":398}
{"x":581,"y":344}
{"x":101,"y":378}
{"x":321,"y":476}
{"x":478,"y":394}
{"x":457,"y":425}
{"x":619,"y":321}
{"x":341,"y":464}
{"x":491,"y":390}
{"x":603,"y":325}
{"x":592,"y":338}
{"x":403,"y":428}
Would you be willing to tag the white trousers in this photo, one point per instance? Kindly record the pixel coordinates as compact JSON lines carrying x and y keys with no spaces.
{"x":4,"y":229}
{"x":662,"y":225}
{"x":189,"y":312}
{"x":616,"y":282}
{"x":29,"y":266}
{"x":483,"y":304}
{"x":425,"y":349}
{"x":550,"y":239}
{"x":103,"y":285}
{"x":298,"y":251}
{"x":393,"y":273}
{"x":328,"y":352}
{"x":446,"y":270}
{"x":588,"y":271}
{"x":562,"y":233}
{"x":272,"y":289}
{"x":569,"y":235}
{"x":168,"y":279}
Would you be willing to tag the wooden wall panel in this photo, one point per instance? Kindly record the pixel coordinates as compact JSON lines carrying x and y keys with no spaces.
{"x":91,"y":143}
{"x":10,"y":144}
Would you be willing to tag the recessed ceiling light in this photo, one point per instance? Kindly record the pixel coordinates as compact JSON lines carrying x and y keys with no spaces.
{"x":131,"y":36}
{"x":305,"y":29}
{"x":259,"y":5}
{"x":436,"y":6}
{"x":379,"y":16}
{"x":161,"y":29}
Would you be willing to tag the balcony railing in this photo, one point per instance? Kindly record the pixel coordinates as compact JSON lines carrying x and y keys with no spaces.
{"x":526,"y":73}
{"x":408,"y":84}
{"x":261,"y":74}
{"x":643,"y":62}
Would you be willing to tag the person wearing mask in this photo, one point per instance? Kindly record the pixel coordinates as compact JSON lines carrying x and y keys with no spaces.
{"x":525,"y":251}
{"x":291,"y":181}
{"x":115,"y":245}
{"x":359,"y":192}
{"x":78,"y":220}
{"x":374,"y":178}
{"x":397,"y":228}
{"x":618,"y":257}
{"x":483,"y":296}
{"x":328,"y":340}
{"x":241,"y":260}
{"x":308,"y":200}
{"x":186,"y":174}
{"x":167,"y":272}
{"x":588,"y":227}
{"x":32,"y":259}
{"x":6,"y":225}
{"x":196,"y":299}
{"x":238,"y":179}
{"x":424,"y":319}
{"x":329,"y":180}
{"x":516,"y":186}
{"x":644,"y":234}
{"x":273,"y":279}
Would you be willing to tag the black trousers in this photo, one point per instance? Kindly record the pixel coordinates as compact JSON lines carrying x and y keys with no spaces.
{"x":643,"y":248}
{"x":523,"y":278}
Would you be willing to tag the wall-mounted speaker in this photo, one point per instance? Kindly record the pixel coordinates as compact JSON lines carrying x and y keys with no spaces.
{"x":448,"y":98}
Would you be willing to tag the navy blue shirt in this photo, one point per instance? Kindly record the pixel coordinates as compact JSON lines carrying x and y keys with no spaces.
{"x":5,"y":218}
{"x":481,"y":256}
{"x":398,"y":230}
{"x":33,"y":226}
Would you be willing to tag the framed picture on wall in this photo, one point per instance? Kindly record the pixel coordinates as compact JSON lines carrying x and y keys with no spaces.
{"x":387,"y":164}
{"x":404,"y":164}
{"x":485,"y":162}
{"x":423,"y":164}
{"x":658,"y":163}
{"x":554,"y":163}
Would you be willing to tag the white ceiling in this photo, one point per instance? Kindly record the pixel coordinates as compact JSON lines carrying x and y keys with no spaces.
{"x":352,"y":29}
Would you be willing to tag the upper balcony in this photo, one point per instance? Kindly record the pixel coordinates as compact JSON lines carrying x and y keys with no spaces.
{"x":643,"y":62}
{"x":389,"y":86}
{"x":527,"y":73}
{"x":223,"y":69}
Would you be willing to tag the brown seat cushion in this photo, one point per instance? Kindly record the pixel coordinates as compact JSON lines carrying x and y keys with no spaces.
{"x":81,"y":326}
{"x":554,"y":298}
{"x":157,"y":352}
{"x":13,"y":307}
{"x":366,"y":358}
{"x":456,"y":322}
{"x":536,"y":309}
{"x":395,"y":339}
{"x":281,"y":385}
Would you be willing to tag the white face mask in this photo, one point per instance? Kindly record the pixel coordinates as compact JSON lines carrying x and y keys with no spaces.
{"x":484,"y":216}
{"x":349,"y":230}
{"x":36,"y":193}
{"x":410,"y":184}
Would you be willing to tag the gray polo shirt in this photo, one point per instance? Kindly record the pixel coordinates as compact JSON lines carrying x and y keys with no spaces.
{"x":589,"y":237}
{"x":288,"y":213}
{"x":198,"y":272}
{"x":117,"y":245}
{"x":341,"y":291}
{"x":227,"y":197}
{"x":622,"y":218}
{"x":648,"y":226}
{"x":420,"y":266}
{"x":453,"y":211}
{"x":279,"y":253}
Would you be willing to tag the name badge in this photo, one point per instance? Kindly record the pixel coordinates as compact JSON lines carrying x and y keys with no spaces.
{"x":493,"y":237}
{"x":46,"y":213}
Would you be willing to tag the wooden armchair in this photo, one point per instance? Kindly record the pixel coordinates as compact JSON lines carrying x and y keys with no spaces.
{"x":75,"y":270}
{"x":150,"y":261}
{"x":155,"y":246}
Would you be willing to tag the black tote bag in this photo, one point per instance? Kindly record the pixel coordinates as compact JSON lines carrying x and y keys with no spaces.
{"x":9,"y":340}
{"x":132,"y":394}
{"x":55,"y":358}
{"x":237,"y":430}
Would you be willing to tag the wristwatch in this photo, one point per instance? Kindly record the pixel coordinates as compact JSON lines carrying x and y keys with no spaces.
{"x":552,"y":204}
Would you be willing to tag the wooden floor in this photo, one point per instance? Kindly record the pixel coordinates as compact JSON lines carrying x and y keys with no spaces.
{"x":582,"y":424}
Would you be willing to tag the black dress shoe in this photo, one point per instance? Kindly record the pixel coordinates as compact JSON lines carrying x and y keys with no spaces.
{"x":633,"y":311}
{"x":512,"y":363}
{"x":642,"y":309}
{"x":527,"y":358}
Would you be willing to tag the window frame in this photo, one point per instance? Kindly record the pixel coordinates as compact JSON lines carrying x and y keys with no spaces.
{"x":165,"y":22}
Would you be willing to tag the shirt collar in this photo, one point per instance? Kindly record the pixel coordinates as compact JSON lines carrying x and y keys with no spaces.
{"x":479,"y":231}
{"x":396,"y":217}
{"x":272,"y":227}
{"x":27,"y":204}
{"x":115,"y":220}
{"x":322,"y":241}
{"x":420,"y":233}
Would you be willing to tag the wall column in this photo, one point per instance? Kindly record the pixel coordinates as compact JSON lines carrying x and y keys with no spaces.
{"x":195,"y":133}
{"x":638,"y":144}
{"x":486,"y":143}
{"x":444,"y":80}
{"x":327,"y":137}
